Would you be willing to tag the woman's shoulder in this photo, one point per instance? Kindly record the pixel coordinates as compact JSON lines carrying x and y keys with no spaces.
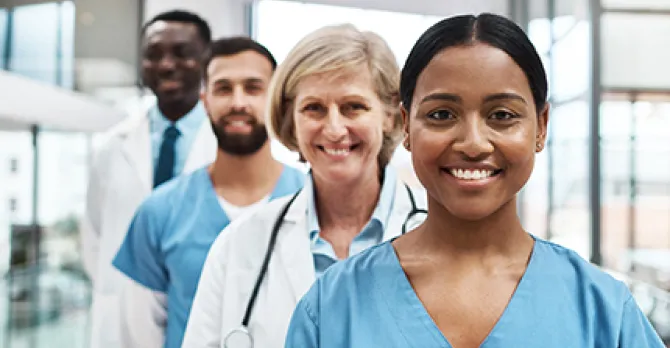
{"x":571,"y":268}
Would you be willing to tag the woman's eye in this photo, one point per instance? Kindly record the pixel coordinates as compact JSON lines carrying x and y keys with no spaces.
{"x":440,"y":115}
{"x":353,"y":107}
{"x":311,"y":107}
{"x":503,"y":115}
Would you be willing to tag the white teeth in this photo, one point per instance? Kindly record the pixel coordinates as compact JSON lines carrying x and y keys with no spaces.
{"x":336,"y":152}
{"x":468,"y":174}
{"x":238,"y":123}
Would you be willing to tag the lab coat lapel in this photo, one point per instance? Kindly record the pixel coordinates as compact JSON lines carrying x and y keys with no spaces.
{"x":294,"y":248}
{"x":137,"y":146}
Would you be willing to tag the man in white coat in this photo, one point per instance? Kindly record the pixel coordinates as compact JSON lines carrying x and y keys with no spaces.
{"x":169,"y":138}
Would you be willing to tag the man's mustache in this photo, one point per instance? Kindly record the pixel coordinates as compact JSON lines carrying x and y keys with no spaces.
{"x":225,"y":119}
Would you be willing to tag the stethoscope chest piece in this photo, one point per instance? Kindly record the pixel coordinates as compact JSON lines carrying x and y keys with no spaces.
{"x":238,"y":338}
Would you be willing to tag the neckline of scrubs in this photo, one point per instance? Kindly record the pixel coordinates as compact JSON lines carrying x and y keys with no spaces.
{"x":414,"y":321}
{"x":213,"y":200}
{"x":281,"y":188}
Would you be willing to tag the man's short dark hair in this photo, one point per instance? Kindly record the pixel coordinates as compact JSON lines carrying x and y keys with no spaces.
{"x":181,"y":16}
{"x":234,"y":45}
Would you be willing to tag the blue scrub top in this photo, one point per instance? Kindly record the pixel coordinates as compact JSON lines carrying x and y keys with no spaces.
{"x":562,"y":301}
{"x":169,"y":238}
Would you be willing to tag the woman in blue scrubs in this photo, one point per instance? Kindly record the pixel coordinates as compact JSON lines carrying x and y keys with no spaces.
{"x":474,"y":100}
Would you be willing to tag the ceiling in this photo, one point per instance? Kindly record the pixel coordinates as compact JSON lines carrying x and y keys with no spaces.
{"x":428,"y":7}
{"x":536,"y":8}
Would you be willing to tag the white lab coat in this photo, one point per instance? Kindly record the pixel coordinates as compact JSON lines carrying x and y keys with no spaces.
{"x":235,"y":259}
{"x":121,"y":177}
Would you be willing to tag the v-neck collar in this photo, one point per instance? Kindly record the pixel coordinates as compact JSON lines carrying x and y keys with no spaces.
{"x":282,"y":187}
{"x":412,"y":318}
{"x":220,"y":218}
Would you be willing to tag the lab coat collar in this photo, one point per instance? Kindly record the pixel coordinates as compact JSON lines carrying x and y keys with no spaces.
{"x":136,"y":141}
{"x":136,"y":138}
{"x":294,"y":245}
{"x":294,"y":248}
{"x":297,"y":213}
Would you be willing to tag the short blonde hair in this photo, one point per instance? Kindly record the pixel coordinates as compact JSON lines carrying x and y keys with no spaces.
{"x":335,"y":48}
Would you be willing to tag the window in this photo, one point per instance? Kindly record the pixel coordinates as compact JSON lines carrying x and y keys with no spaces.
{"x":42,"y":39}
{"x":13,"y":165}
{"x":4,"y":14}
{"x":13,"y":205}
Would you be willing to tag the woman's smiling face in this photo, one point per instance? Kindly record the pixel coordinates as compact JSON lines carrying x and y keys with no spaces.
{"x":473,"y":129}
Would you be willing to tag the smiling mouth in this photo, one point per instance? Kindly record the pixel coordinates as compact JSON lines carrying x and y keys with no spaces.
{"x":169,"y":84}
{"x":472,"y":174}
{"x":337,"y":151}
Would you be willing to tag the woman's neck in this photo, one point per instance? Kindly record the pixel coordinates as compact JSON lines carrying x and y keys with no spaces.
{"x":500,"y":233}
{"x":346,"y":207}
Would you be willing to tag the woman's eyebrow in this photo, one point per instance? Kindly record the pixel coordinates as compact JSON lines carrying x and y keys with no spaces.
{"x":504,"y":96}
{"x":442,"y":96}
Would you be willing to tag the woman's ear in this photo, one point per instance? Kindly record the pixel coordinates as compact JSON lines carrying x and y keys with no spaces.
{"x":542,"y":124}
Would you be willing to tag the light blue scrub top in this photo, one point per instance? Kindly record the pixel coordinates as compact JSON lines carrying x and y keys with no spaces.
{"x":188,"y":127}
{"x":372,"y":234}
{"x":561,"y":302}
{"x":169,"y":238}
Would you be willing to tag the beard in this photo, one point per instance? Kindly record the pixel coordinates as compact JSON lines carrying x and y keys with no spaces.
{"x":240,"y":144}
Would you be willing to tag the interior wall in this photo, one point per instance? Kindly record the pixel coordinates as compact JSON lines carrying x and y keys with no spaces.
{"x":225,"y":17}
{"x":106,"y":43}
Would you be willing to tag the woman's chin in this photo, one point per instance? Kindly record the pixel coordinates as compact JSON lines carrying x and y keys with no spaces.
{"x":471,"y":212}
{"x":340,"y":175}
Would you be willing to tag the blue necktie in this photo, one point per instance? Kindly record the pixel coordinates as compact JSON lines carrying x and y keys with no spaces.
{"x":165,"y":167}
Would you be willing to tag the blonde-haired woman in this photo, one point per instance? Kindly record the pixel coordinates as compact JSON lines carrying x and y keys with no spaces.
{"x":335,"y":101}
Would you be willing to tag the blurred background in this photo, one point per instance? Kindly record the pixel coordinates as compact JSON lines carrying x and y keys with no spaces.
{"x":602,"y":187}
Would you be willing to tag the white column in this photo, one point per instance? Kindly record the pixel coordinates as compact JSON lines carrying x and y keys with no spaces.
{"x":225,"y":17}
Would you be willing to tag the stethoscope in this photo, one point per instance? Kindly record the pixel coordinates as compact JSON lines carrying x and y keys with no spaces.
{"x":241,"y":337}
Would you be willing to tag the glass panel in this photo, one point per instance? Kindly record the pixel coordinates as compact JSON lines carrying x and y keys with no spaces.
{"x":636,"y":192}
{"x":636,"y":4}
{"x":45,"y":300}
{"x":555,"y":202}
{"x":62,"y":189}
{"x":35,"y":41}
{"x":570,"y":214}
{"x":16,"y":250}
{"x":636,"y":199}
{"x":571,"y":59}
{"x":67,"y":21}
{"x":3,"y":36}
{"x":627,"y":44}
{"x":44,"y":305}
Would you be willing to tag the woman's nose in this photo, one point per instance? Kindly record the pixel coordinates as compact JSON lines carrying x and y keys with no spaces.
{"x":335,"y":127}
{"x":473,"y":138}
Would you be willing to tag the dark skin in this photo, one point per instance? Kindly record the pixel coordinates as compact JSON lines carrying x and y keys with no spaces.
{"x":172,"y":57}
{"x":472,"y":109}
